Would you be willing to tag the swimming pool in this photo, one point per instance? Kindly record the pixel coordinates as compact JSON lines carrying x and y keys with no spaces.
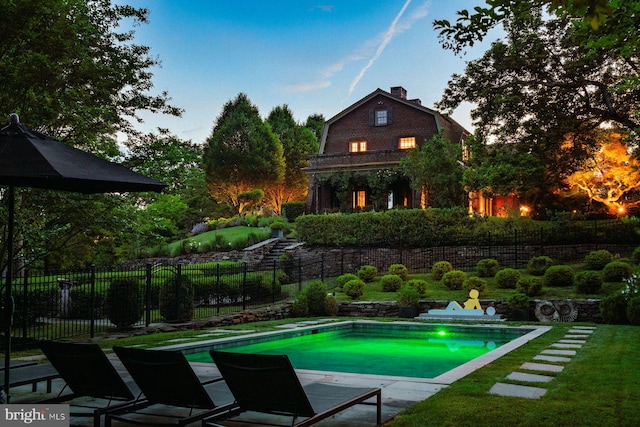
{"x":398,"y":349}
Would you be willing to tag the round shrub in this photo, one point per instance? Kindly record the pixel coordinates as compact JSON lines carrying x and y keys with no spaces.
{"x":596,"y":260}
{"x":508,"y":278}
{"x":331,"y":306}
{"x":487,"y":267}
{"x":635,"y":257}
{"x":538,"y":265}
{"x":341,"y":280}
{"x":474,"y":283}
{"x":518,"y":301}
{"x":440,"y":268}
{"x":589,"y":281}
{"x":419,"y":284}
{"x":616,"y":271}
{"x":354,"y":288}
{"x":399,"y":270}
{"x":530,"y":286}
{"x":408,"y":296}
{"x":559,"y":275}
{"x":633,"y":311}
{"x":124,"y":303}
{"x":614,"y":309}
{"x":316,"y":296}
{"x":391,"y":282}
{"x":300,"y":306}
{"x":367,"y":273}
{"x":454,"y":279}
{"x":172,"y":308}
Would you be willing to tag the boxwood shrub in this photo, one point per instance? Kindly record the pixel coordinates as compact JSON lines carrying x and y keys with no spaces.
{"x":589,"y":281}
{"x":596,"y":260}
{"x":354,"y":288}
{"x":173,"y":309}
{"x":454,"y":279}
{"x":440,"y":268}
{"x":367,"y":273}
{"x":124,"y":303}
{"x":399,"y":270}
{"x":617,"y":271}
{"x":474,"y":283}
{"x":614,"y":309}
{"x":419,"y":284}
{"x":559,"y":276}
{"x":391,"y":282}
{"x":531,"y":286}
{"x":343,"y":279}
{"x":538,"y":265}
{"x":487,"y":267}
{"x":508,"y":278}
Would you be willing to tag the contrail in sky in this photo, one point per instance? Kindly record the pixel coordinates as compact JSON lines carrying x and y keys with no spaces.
{"x":386,"y":38}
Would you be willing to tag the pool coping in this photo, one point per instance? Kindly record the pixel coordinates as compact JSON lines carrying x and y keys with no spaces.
{"x":444,"y":379}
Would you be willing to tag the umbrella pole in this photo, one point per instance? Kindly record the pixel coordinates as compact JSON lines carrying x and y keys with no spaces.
{"x":8,"y":303}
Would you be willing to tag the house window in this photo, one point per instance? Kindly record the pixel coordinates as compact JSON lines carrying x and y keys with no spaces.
{"x":381,"y":117}
{"x":359,"y":199}
{"x":357,"y":146}
{"x":407,"y":143}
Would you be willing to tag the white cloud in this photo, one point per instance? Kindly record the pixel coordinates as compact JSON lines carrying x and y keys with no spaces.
{"x":371,"y":49}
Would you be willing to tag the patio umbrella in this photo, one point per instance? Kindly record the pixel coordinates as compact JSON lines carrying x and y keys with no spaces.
{"x":32,"y":159}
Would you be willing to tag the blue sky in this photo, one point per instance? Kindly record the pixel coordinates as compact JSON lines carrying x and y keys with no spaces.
{"x":315,"y":56}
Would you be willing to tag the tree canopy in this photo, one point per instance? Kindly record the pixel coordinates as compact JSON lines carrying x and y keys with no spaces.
{"x":70,"y":70}
{"x":550,"y":85}
{"x":298,"y":143}
{"x":435,"y":168}
{"x":242,"y":153}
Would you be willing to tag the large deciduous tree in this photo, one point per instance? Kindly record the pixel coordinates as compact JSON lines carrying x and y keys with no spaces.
{"x":242,"y":153}
{"x":435,"y":168}
{"x":546,"y":83}
{"x":611,"y":176}
{"x":298,"y":143}
{"x":69,"y":69}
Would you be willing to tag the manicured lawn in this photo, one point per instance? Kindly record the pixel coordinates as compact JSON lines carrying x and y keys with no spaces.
{"x":599,"y":387}
{"x":436,"y":290}
{"x":228,"y":235}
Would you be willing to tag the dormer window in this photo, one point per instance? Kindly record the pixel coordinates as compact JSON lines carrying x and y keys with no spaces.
{"x":380,"y":116}
{"x":407,"y":143}
{"x":358,"y":146}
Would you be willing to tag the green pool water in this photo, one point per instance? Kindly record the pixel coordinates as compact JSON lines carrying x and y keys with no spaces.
{"x":379,"y":351}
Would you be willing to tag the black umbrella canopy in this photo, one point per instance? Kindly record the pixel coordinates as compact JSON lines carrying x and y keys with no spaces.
{"x":32,"y":159}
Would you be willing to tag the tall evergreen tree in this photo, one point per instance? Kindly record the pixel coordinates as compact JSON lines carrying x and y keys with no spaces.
{"x":242,"y":153}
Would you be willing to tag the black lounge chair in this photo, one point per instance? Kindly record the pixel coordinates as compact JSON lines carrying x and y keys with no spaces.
{"x":23,"y":374}
{"x":95,"y":384}
{"x":268,"y":384}
{"x":169,"y":383}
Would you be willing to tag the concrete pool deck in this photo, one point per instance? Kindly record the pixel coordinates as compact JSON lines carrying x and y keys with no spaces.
{"x":398,"y":393}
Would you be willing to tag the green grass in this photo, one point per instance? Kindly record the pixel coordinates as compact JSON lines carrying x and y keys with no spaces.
{"x":436,"y":290}
{"x":230,"y":235}
{"x":599,"y":387}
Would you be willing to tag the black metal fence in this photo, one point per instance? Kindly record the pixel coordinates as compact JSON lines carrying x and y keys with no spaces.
{"x":87,"y":302}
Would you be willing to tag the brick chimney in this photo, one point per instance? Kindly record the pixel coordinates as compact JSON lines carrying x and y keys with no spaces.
{"x":399,"y":92}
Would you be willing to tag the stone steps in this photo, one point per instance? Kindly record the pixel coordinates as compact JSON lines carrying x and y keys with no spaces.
{"x":556,"y":355}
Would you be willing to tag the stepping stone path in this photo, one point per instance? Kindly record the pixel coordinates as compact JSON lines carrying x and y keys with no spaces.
{"x":548,"y":361}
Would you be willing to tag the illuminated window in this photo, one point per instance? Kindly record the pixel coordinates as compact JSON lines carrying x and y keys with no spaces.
{"x":407,"y":143}
{"x":359,"y":198}
{"x":381,"y":117}
{"x":357,"y":146}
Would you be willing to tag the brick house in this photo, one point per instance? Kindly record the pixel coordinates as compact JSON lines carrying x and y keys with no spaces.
{"x":357,"y":166}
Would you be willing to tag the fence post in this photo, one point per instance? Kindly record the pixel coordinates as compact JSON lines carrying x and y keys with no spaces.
{"x":147,"y":296}
{"x":273,"y":284}
{"x":244,"y":286}
{"x":322,"y":267}
{"x":218,"y":296}
{"x":179,"y":292}
{"x":299,"y":276}
{"x":92,"y":302}
{"x":25,"y":304}
{"x":515,"y":246}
